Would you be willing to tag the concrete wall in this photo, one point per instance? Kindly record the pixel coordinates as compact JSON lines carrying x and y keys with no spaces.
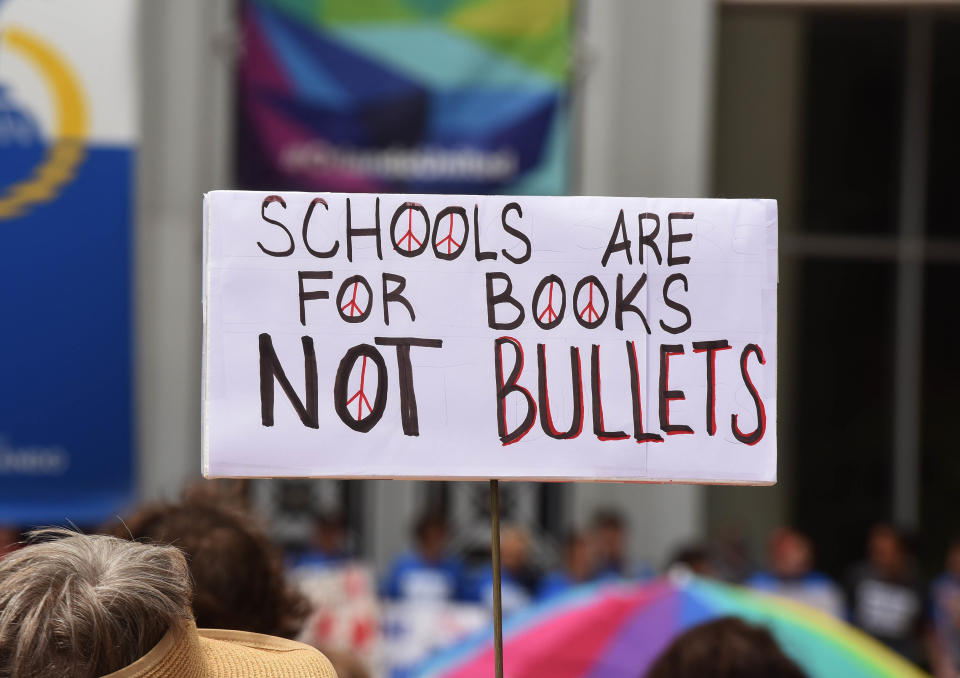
{"x":186,"y":98}
{"x":646,"y":96}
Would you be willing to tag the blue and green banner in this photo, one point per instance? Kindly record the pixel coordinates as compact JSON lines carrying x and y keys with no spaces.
{"x":418,"y":96}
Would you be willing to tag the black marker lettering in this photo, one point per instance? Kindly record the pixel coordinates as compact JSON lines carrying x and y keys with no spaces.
{"x":625,"y":303}
{"x":508,"y":386}
{"x":395,"y":295}
{"x":711,"y":348}
{"x":408,"y":396}
{"x":306,"y":225}
{"x":481,"y":256}
{"x":363,"y":232}
{"x":271,"y":369}
{"x":263,"y":213}
{"x":666,"y":395}
{"x":309,"y":296}
{"x":754,"y":437}
{"x":598,"y":427}
{"x":502,"y":298}
{"x":615,"y":245}
{"x":649,"y":240}
{"x":637,"y":396}
{"x":519,"y":235}
{"x":546,"y":418}
{"x":677,"y":237}
{"x":676,"y":305}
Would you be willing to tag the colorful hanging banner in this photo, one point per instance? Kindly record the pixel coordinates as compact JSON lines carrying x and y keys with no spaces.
{"x":460,"y":96}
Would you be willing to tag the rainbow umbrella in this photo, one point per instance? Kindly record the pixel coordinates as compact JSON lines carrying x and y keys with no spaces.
{"x":617,"y":630}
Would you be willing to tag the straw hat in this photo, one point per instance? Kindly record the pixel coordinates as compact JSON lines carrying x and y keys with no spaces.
{"x":186,"y":652}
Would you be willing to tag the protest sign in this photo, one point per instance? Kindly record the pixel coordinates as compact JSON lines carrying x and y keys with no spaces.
{"x":447,"y":336}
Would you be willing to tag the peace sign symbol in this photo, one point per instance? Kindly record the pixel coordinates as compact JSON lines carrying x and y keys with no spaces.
{"x":360,"y":395}
{"x":350,"y":299}
{"x":409,"y":245}
{"x":367,"y":383}
{"x":550,"y":291}
{"x":449,"y":247}
{"x":587,"y":314}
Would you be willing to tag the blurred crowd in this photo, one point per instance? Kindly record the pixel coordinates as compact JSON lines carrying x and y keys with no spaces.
{"x":372,"y":623}
{"x":884,"y":594}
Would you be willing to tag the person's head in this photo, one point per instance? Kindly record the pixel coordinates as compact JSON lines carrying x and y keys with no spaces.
{"x":694,"y":559}
{"x":330,"y":533}
{"x":790,"y":553}
{"x":724,"y":648}
{"x":952,"y":564}
{"x":9,"y":539}
{"x":886,"y":549}
{"x":238,"y":576}
{"x":610,"y":534}
{"x":514,"y":548}
{"x":431,"y":534}
{"x":579,"y":559}
{"x":81,"y":606}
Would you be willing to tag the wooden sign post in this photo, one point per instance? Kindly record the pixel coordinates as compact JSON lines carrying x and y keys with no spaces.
{"x":495,"y":556}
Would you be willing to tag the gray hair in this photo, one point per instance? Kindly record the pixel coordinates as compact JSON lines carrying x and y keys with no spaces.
{"x":81,"y":606}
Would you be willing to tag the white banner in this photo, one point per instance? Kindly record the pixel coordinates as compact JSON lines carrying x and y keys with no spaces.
{"x":441,"y":336}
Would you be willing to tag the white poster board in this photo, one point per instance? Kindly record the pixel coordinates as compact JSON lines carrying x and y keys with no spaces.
{"x":445,"y":336}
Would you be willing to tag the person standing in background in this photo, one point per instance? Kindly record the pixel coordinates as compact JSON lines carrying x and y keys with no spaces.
{"x":9,"y":539}
{"x":428,"y":573}
{"x":609,"y":536}
{"x":791,"y":574}
{"x":519,"y":581}
{"x":885,"y":594}
{"x":945,"y":603}
{"x":328,"y":547}
{"x":691,"y":560}
{"x":579,"y":566}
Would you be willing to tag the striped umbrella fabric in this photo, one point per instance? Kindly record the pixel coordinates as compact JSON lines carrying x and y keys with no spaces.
{"x":618,"y":630}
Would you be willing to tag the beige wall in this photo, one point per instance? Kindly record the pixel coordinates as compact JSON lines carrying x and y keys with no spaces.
{"x":185,"y":90}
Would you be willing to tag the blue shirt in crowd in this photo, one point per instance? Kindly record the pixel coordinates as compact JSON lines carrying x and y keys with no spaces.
{"x":945,"y":604}
{"x":556,"y":583}
{"x":814,"y":589}
{"x":515,"y":592}
{"x":317,"y":559}
{"x":411,"y":577}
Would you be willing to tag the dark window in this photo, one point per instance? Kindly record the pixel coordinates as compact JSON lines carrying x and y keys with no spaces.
{"x":853,"y":103}
{"x":844,"y":424}
{"x":940,"y":461}
{"x":944,"y":166}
